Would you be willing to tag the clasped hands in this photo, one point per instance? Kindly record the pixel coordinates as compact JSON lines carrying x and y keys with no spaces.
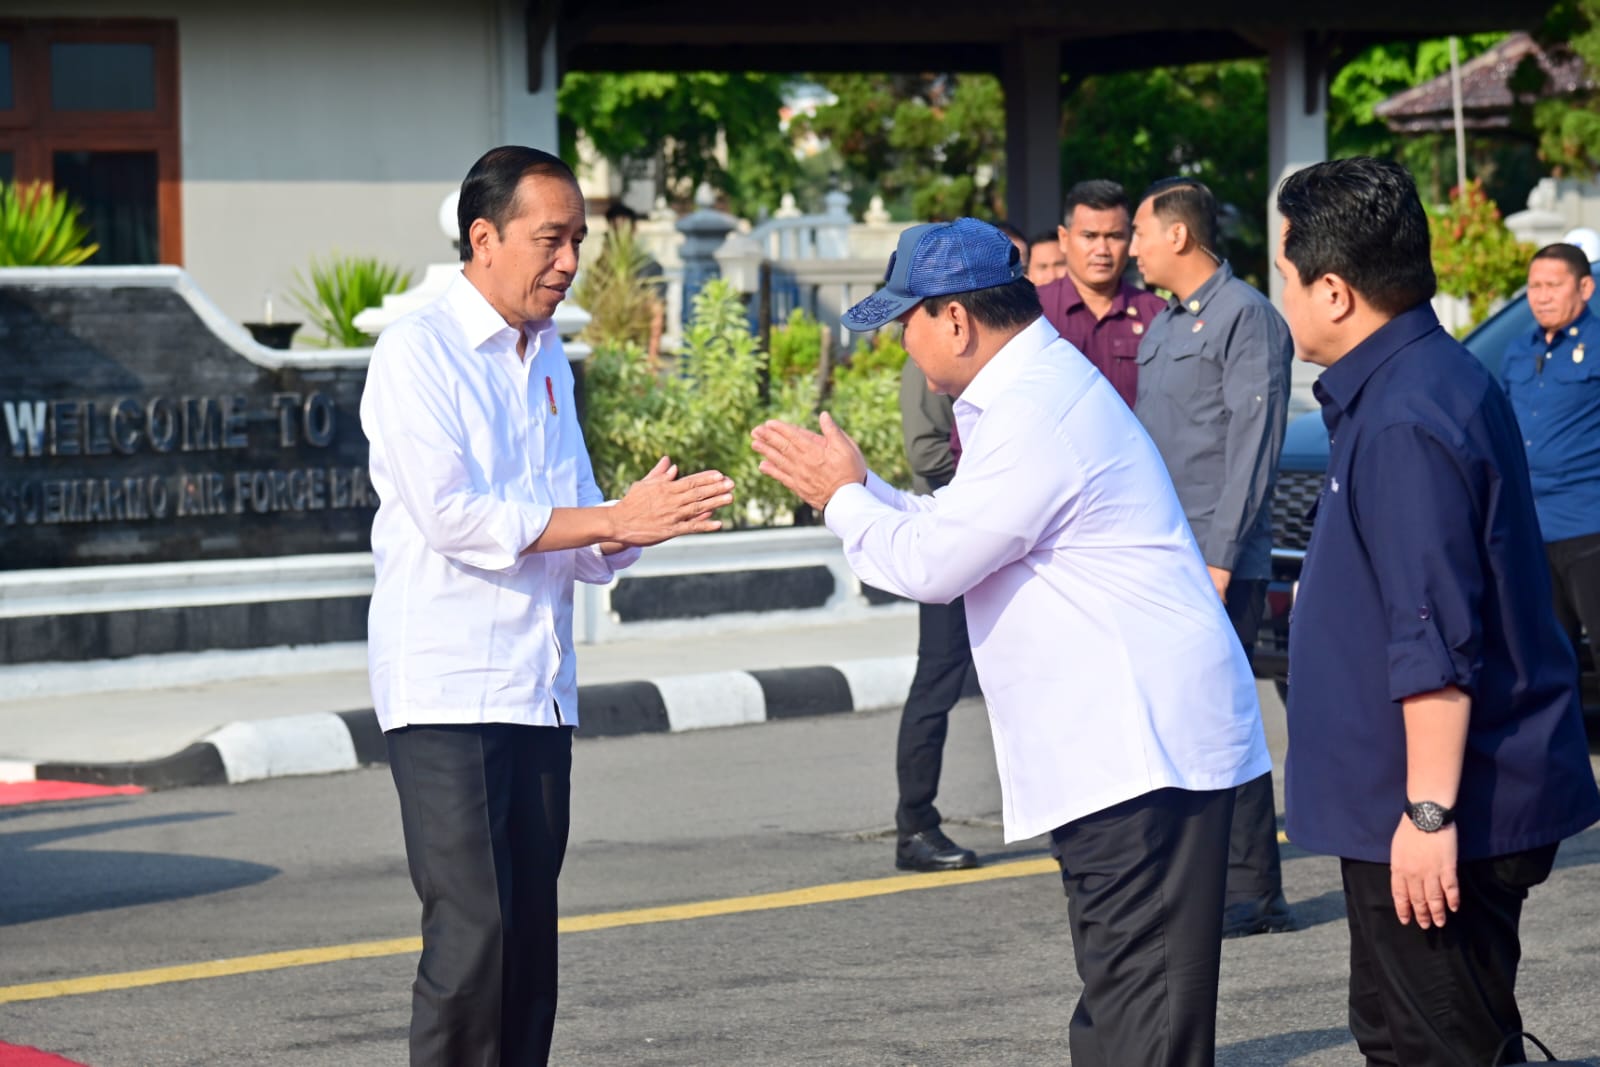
{"x":661,"y":506}
{"x":813,"y":466}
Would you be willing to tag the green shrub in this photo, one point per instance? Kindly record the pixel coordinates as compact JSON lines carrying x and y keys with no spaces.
{"x":620,"y":300}
{"x":1474,"y":255}
{"x":796,"y":347}
{"x":342,"y":288}
{"x":866,"y":402}
{"x":40,"y":227}
{"x":701,"y":413}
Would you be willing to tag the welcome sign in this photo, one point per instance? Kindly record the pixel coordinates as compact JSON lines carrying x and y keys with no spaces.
{"x":133,"y":432}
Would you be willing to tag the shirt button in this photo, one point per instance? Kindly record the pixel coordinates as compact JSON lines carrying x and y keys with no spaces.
{"x":1424,"y":613}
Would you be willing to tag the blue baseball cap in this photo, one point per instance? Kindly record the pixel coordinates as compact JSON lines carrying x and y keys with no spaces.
{"x":937,"y":259}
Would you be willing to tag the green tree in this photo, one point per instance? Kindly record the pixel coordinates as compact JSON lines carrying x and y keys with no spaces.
{"x":705,"y":126}
{"x":1505,"y":160}
{"x":924,"y":142}
{"x":1568,"y":126}
{"x":1204,"y":120}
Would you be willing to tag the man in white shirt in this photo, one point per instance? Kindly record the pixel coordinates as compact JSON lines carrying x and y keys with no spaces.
{"x":489,"y":512}
{"x":1122,"y":709}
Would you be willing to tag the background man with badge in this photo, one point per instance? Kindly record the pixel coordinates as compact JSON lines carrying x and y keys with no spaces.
{"x":1551,"y":377}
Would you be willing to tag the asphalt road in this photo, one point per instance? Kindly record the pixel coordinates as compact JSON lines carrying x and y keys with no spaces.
{"x":953,"y":974}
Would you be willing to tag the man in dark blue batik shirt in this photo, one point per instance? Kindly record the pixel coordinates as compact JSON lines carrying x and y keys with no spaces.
{"x":1435,"y":737}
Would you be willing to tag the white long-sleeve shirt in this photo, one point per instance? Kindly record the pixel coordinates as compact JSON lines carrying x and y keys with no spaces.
{"x":1108,"y":662}
{"x":469,"y":459}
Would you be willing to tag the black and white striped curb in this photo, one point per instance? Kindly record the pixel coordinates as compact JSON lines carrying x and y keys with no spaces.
{"x":323,"y":742}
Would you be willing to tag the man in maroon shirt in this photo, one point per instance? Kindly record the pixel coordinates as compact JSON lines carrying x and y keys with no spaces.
{"x":1095,"y":307}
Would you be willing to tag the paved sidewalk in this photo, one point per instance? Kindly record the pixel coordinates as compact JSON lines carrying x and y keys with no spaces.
{"x":682,"y":682}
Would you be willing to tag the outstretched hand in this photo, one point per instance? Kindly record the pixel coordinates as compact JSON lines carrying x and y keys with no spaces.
{"x":661,"y":505}
{"x":813,"y":466}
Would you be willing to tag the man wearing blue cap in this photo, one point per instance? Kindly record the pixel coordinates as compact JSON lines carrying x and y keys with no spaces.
{"x":1122,"y":710}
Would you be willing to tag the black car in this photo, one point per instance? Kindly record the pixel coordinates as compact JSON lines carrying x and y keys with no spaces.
{"x":1301,"y":466}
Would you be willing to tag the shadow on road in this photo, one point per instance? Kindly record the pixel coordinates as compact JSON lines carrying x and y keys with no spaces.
{"x":1281,"y":1048}
{"x":1323,"y":908}
{"x":38,"y":882}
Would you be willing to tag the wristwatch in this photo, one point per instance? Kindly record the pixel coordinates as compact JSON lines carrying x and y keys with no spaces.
{"x":1429,"y":817}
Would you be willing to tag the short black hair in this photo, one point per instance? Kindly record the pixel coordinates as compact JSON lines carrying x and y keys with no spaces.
{"x":1570,"y":254}
{"x":1187,"y":201}
{"x":1096,"y":194}
{"x":999,"y":307}
{"x":489,"y":190}
{"x":1044,"y":237}
{"x":1362,"y":220}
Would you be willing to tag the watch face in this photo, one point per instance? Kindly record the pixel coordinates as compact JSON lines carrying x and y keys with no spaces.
{"x":1427,"y":816}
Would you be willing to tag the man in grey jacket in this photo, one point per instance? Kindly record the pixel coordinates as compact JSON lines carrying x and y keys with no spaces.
{"x":1213,"y":394}
{"x":944,"y":657}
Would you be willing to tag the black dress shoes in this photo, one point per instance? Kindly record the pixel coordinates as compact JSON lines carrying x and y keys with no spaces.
{"x":1270,"y":915}
{"x":931,"y":850}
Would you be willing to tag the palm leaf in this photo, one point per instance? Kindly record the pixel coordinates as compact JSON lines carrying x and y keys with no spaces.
{"x":40,"y":227}
{"x":335,"y":292}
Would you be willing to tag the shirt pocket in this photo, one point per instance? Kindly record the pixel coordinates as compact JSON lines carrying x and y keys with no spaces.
{"x":1563,"y":368}
{"x":1519,"y":370}
{"x":1182,"y":370}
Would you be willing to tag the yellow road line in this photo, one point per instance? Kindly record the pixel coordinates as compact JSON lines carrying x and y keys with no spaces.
{"x":705,"y":909}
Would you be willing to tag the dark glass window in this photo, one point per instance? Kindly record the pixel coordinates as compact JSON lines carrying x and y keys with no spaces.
{"x":8,"y":95}
{"x":102,"y":77}
{"x":117,"y":191}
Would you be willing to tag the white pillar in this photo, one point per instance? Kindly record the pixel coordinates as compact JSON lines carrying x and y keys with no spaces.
{"x":1032,"y":82}
{"x":1297,"y":136}
{"x":525,"y":118}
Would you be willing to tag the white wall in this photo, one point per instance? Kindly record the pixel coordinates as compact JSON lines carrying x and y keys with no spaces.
{"x":336,"y":126}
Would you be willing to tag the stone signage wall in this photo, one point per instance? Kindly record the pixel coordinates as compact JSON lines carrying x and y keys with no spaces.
{"x":131,"y":432}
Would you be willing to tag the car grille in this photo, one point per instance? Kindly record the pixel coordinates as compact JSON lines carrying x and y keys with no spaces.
{"x":1291,"y":508}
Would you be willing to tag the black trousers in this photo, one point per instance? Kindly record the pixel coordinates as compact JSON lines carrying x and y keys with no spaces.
{"x":1575,"y":582}
{"x":1144,"y":889}
{"x":1443,"y":997}
{"x":944,"y":674}
{"x":485,"y":811}
{"x":1254,"y":869}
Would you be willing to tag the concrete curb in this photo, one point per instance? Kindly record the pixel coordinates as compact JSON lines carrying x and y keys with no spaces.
{"x":340,"y":741}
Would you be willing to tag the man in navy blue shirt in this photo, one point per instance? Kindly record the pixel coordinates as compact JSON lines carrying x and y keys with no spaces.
{"x":1435,"y":737}
{"x":1552,"y":375}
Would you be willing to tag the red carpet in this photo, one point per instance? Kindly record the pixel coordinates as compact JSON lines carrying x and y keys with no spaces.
{"x":38,"y":793}
{"x":18,"y":1056}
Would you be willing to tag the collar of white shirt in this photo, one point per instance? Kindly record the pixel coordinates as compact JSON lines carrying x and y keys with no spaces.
{"x":1004,"y":366}
{"x":481,"y":323}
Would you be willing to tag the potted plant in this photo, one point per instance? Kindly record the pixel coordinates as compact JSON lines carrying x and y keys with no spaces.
{"x":334,"y":293}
